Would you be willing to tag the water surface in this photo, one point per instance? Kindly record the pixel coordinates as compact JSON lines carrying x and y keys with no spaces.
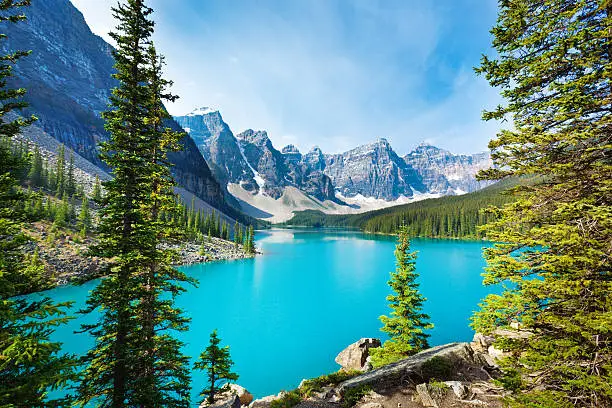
{"x":286,"y":314}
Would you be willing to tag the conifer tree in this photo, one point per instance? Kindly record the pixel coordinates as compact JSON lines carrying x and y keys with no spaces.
{"x":84,"y":222}
{"x":217,"y":364}
{"x":136,"y":361}
{"x":553,"y":67}
{"x":407,"y":324}
{"x":60,"y":177}
{"x":30,"y":364}
{"x":237,"y":234}
{"x":70,"y":180}
{"x":249,"y":244}
{"x":96,"y":194}
{"x":35,"y":175}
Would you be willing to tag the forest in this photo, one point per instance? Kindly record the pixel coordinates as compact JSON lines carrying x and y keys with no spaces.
{"x":444,"y":217}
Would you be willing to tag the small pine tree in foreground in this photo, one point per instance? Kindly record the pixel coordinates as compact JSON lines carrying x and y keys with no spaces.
{"x":217,"y":364}
{"x":407,"y":324}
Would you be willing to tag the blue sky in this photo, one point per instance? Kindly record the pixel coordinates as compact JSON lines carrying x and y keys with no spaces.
{"x":333,"y":73}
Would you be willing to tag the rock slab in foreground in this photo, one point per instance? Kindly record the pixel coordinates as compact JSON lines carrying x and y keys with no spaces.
{"x":394,"y":374}
{"x":355,"y":356}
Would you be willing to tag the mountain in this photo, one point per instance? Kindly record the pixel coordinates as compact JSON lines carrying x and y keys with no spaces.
{"x":272,"y":184}
{"x":68,"y":78}
{"x":250,"y":162}
{"x":372,"y":170}
{"x":445,"y":173}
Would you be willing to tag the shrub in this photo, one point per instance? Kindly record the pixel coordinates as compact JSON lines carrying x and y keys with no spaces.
{"x":437,"y":368}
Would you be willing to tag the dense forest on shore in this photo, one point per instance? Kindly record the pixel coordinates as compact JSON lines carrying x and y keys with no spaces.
{"x":444,"y":217}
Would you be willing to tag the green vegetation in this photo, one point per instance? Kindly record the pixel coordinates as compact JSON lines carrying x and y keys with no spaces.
{"x":136,"y":360}
{"x":407,"y":324}
{"x":315,"y":385}
{"x":30,"y":364}
{"x":437,"y":368}
{"x":352,"y":396}
{"x":217,"y":363}
{"x":445,"y":217}
{"x":553,"y":62}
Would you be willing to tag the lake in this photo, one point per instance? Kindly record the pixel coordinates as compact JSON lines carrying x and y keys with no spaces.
{"x":287,"y":313}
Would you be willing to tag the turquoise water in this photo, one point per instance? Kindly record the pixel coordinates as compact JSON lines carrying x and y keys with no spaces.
{"x":287,"y":313}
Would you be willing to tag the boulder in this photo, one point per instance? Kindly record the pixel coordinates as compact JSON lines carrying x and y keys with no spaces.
{"x":225,"y":401}
{"x":245,"y":397}
{"x":461,"y":390}
{"x":410,"y":369}
{"x":355,"y":356}
{"x":264,"y":402}
{"x":425,"y":395}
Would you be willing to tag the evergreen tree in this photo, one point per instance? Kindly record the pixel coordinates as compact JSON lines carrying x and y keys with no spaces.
{"x":136,"y":361}
{"x":96,"y":194}
{"x":553,"y":66}
{"x":30,"y":364}
{"x":70,"y":180}
{"x":84,"y":222}
{"x":249,"y":245}
{"x":61,"y":217}
{"x":217,"y":364}
{"x":35,"y":175}
{"x":407,"y":323}
{"x":60,"y":167}
{"x":237,"y":234}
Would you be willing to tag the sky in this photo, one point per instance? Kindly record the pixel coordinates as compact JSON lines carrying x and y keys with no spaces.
{"x":331,"y":73}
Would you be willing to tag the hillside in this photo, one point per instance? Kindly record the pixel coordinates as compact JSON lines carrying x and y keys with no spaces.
{"x":444,"y":217}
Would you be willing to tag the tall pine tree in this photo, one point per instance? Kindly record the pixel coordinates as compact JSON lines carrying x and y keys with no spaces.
{"x":136,"y":360}
{"x":553,"y":65}
{"x":30,"y":364}
{"x":407,"y":324}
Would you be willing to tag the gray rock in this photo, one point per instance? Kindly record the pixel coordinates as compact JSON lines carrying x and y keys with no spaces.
{"x":355,"y":356}
{"x":461,"y":390}
{"x":373,"y":170}
{"x":427,"y":399}
{"x":69,"y":73}
{"x":245,"y":397}
{"x":445,"y":173}
{"x":226,"y":401}
{"x":410,"y":368}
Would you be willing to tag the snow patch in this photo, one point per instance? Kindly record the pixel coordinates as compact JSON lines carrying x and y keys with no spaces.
{"x":258,"y":179}
{"x":202,"y":111}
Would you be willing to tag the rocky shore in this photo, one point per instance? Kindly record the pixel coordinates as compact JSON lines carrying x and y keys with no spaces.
{"x":66,"y":256}
{"x":450,"y":375}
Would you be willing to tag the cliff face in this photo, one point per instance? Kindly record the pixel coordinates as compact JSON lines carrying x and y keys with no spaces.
{"x":68,"y":78}
{"x":446,"y":173}
{"x":372,"y":170}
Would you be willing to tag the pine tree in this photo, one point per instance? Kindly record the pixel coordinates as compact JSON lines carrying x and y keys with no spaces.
{"x":96,"y":194}
{"x":30,"y":364}
{"x":35,"y":175}
{"x":237,"y":234}
{"x":164,"y":373}
{"x":553,"y":66}
{"x":407,"y":323}
{"x":84,"y":222}
{"x":61,"y":216}
{"x":136,"y":361}
{"x":70,"y":180}
{"x":217,"y":363}
{"x":60,"y":177}
{"x":249,"y":242}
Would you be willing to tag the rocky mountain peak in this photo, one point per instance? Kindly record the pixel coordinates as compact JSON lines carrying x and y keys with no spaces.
{"x":205,"y":110}
{"x":290,"y":149}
